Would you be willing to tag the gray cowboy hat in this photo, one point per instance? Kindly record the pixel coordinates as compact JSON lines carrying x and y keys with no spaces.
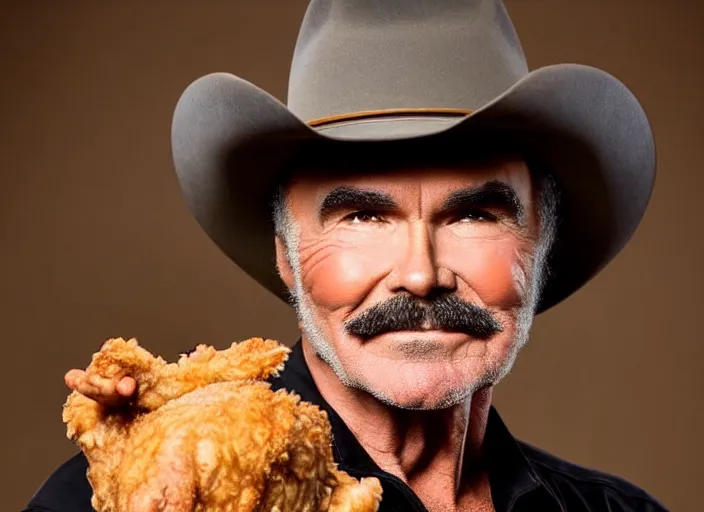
{"x":374,"y":73}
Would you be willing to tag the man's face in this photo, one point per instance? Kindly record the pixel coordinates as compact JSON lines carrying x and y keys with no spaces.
{"x":415,"y":285}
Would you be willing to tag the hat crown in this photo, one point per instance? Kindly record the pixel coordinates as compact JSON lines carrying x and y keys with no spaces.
{"x":362,"y":55}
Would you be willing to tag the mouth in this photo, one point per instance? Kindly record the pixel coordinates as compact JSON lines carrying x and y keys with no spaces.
{"x":424,"y":335}
{"x":422,"y":345}
{"x":426,"y":328}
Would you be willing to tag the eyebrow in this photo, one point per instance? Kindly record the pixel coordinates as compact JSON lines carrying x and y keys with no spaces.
{"x":492,"y":193}
{"x":351,"y":198}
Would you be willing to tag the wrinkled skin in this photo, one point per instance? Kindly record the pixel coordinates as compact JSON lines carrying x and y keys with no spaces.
{"x":362,"y":254}
{"x":207,"y":434}
{"x":419,"y":232}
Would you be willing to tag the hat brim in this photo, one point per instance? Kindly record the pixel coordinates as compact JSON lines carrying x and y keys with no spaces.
{"x":231,"y":141}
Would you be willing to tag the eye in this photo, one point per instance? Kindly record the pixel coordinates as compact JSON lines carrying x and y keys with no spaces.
{"x":476,"y":216}
{"x":363,"y":217}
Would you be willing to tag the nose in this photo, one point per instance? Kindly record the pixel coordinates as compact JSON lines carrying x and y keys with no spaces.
{"x":417,"y":269}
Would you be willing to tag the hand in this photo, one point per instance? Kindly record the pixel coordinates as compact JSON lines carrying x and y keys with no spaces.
{"x":108,"y":392}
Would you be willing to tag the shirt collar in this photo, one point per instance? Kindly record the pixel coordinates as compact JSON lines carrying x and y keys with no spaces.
{"x":511,"y":474}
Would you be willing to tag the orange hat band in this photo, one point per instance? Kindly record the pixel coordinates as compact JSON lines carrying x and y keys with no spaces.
{"x":366,"y":114}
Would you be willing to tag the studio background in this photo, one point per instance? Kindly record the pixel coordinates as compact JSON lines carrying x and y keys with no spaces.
{"x":96,"y":241}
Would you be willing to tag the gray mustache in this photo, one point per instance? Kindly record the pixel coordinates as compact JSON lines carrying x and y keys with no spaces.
{"x":405,"y":313}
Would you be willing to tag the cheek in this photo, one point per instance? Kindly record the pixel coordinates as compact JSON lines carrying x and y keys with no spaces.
{"x":341,"y":277}
{"x":489,"y":268}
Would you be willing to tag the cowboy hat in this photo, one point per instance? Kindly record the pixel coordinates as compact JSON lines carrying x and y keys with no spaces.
{"x":374,"y":73}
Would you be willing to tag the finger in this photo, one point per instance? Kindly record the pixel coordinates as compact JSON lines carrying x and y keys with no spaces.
{"x":126,"y":386}
{"x":71,"y":378}
{"x":81,"y":381}
{"x":102,"y":384}
{"x":100,"y":389}
{"x":103,"y":399}
{"x":87,"y":387}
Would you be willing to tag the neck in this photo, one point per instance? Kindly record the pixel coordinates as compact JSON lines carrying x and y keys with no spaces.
{"x":437,"y":451}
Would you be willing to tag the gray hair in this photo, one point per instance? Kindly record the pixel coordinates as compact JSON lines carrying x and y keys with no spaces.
{"x":548,"y":201}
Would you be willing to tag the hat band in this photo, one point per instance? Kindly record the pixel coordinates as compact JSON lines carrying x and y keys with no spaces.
{"x":366,"y":114}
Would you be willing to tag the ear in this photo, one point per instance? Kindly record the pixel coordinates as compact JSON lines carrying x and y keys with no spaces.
{"x":282,"y":263}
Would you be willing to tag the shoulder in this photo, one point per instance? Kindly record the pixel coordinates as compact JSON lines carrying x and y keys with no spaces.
{"x":572,"y":483}
{"x":66,"y":490}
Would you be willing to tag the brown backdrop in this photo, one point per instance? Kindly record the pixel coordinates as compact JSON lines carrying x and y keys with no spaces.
{"x":95,"y":240}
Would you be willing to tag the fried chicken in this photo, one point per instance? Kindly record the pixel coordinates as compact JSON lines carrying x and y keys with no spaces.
{"x":207,"y":434}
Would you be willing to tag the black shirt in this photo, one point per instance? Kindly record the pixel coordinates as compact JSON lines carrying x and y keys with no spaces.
{"x":522,"y":477}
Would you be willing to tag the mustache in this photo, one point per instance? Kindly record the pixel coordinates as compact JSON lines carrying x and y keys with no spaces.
{"x":405,"y":313}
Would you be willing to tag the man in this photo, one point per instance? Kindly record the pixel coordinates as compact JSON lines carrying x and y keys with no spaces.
{"x":430,"y":196}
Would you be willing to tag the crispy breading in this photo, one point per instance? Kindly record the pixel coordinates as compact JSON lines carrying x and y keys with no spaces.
{"x":207,"y":434}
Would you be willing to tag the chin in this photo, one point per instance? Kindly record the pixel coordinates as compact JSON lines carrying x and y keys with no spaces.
{"x":427,"y":385}
{"x":422,"y":400}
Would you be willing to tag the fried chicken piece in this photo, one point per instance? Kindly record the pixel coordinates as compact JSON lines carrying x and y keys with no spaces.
{"x":207,"y":434}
